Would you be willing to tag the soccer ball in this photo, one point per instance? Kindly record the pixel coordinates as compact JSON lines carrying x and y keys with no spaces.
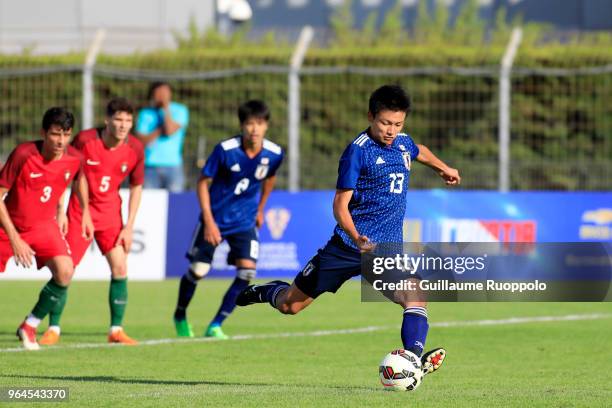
{"x":400,"y":370}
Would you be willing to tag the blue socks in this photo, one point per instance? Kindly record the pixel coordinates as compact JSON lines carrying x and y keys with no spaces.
{"x":187,"y":288}
{"x":414,"y":329}
{"x":270,"y":291}
{"x":229,"y":301}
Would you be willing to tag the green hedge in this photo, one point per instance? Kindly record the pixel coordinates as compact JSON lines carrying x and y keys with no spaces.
{"x":561,"y":125}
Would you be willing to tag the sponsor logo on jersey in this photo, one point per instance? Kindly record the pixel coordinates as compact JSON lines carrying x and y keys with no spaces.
{"x":277,"y":220}
{"x":235,"y":167}
{"x":92,"y":162}
{"x":35,"y":175}
{"x":380,"y":160}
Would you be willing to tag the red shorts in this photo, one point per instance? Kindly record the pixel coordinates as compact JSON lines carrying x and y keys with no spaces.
{"x":45,"y":240}
{"x":105,"y":238}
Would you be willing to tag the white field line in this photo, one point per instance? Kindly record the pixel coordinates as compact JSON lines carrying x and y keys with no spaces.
{"x":316,"y":333}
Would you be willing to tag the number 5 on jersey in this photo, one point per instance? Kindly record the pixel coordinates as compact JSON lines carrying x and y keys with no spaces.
{"x":104,"y":184}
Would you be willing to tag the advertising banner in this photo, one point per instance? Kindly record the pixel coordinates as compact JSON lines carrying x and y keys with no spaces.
{"x":147,"y":258}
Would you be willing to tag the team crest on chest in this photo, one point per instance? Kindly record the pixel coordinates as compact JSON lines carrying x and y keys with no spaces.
{"x":262,"y":168}
{"x":407,"y":160}
{"x":124,"y":167}
{"x":67,"y":176}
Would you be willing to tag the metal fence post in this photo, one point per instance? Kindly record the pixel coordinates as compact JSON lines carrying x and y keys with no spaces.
{"x":294,"y":107}
{"x":88,"y":85}
{"x":504,"y":109}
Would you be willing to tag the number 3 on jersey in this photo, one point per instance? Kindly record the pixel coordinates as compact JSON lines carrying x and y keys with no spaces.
{"x":104,"y":184}
{"x":397,"y":183}
{"x":46,"y":194}
{"x":241,"y":186}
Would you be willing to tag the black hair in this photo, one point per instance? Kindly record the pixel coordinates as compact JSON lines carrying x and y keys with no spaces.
{"x":389,"y":97}
{"x":58,"y":116}
{"x":155,"y":85}
{"x":119,"y":105}
{"x":253,"y":109}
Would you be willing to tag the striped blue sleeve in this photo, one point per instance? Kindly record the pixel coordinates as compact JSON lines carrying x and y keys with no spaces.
{"x":349,"y":167}
{"x":215,"y":159}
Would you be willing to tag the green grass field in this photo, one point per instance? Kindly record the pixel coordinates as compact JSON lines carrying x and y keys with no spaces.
{"x":557,"y":363}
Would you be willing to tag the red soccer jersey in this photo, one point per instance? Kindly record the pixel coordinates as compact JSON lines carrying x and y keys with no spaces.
{"x":105,"y":170}
{"x":36,"y":185}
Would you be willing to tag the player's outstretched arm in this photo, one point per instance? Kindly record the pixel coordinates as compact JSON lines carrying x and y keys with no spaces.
{"x":266,"y":188}
{"x":21,"y":250}
{"x":345,"y":220}
{"x":127,"y":232}
{"x":212,"y":235}
{"x":449,"y":174}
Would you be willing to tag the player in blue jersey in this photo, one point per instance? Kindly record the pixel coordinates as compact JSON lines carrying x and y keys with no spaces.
{"x":232,"y":210}
{"x":369,"y":207}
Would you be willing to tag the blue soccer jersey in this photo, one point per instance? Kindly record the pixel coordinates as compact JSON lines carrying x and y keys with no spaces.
{"x":378,"y":175}
{"x":236,"y":182}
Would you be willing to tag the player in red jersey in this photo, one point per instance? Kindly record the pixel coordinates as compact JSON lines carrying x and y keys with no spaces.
{"x":110,"y":155}
{"x":34,"y":178}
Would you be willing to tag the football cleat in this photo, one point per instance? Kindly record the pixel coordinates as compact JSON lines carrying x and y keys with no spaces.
{"x":254,"y":293}
{"x":432,"y":360}
{"x":216,"y":332}
{"x":49,"y":338}
{"x":27,"y":335}
{"x":119,"y":336}
{"x":183,"y":329}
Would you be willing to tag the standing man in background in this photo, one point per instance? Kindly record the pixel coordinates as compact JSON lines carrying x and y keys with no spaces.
{"x":161,"y":127}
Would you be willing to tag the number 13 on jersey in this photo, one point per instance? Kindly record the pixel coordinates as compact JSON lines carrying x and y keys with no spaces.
{"x":397,"y":183}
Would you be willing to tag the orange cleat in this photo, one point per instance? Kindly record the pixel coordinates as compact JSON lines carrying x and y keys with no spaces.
{"x":49,"y":338}
{"x":119,"y":336}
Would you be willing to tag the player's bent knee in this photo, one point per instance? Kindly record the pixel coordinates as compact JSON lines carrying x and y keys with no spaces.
{"x":119,"y":272}
{"x":246,"y":273}
{"x":200,"y":269}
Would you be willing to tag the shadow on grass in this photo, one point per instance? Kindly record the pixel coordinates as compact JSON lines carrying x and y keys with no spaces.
{"x":118,"y":380}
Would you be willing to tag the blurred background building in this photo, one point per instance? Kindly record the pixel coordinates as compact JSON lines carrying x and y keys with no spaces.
{"x":61,"y":26}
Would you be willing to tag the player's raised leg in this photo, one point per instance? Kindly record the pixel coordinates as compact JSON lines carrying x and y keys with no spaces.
{"x":118,"y":295}
{"x":50,"y":295}
{"x":287,"y":299}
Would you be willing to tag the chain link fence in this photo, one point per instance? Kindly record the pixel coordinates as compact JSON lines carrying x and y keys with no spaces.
{"x":561,"y":120}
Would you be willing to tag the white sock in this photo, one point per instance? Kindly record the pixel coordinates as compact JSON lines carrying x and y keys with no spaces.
{"x":32,"y":320}
{"x":55,"y":329}
{"x":114,"y":329}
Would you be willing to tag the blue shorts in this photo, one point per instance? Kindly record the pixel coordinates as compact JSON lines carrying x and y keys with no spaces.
{"x":333,"y":265}
{"x":243,"y":245}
